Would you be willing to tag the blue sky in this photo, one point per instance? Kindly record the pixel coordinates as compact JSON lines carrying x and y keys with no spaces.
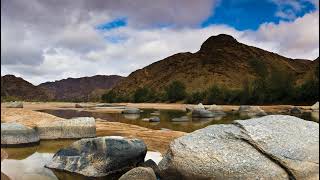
{"x":89,"y":37}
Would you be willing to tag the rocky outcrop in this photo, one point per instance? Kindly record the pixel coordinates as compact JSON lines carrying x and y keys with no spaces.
{"x":251,"y":111}
{"x":14,"y":104}
{"x":202,"y":113}
{"x":69,"y":128}
{"x":131,"y":111}
{"x":315,"y":107}
{"x":139,"y":173}
{"x":270,"y":147}
{"x":102,"y":156}
{"x":15,"y":134}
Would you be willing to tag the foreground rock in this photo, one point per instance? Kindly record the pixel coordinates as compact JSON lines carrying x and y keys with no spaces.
{"x":14,"y":104}
{"x":131,"y":111}
{"x":97,"y":157}
{"x":270,"y":147}
{"x":202,"y":113}
{"x":69,"y":128}
{"x":139,"y":173}
{"x":15,"y":134}
{"x":153,"y":165}
{"x":315,"y":107}
{"x":251,"y":111}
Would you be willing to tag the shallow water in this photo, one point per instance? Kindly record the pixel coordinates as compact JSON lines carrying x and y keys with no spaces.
{"x":166,"y":118}
{"x":27,"y":163}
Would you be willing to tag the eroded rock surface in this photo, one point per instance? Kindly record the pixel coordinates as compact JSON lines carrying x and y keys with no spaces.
{"x":102,"y":156}
{"x":270,"y":147}
{"x":15,"y":133}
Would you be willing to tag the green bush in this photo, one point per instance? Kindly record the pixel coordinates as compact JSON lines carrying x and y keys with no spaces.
{"x":196,"y":97}
{"x":144,"y":95}
{"x":176,"y":91}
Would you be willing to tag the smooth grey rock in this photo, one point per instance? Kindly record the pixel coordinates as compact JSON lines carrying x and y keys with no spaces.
{"x":131,"y":111}
{"x":181,"y":119}
{"x":139,"y":173}
{"x":271,"y":147}
{"x":131,"y":116}
{"x":70,"y":128}
{"x":199,"y":106}
{"x":15,"y":133}
{"x":151,"y":119}
{"x":14,"y":104}
{"x":251,"y":111}
{"x":292,"y":141}
{"x":98,"y":157}
{"x":295,"y":110}
{"x":202,"y":113}
{"x":315,"y":107}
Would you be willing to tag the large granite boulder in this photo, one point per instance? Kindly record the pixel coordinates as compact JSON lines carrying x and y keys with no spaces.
{"x":315,"y":107}
{"x":251,"y":111}
{"x":202,"y":113}
{"x":15,"y":134}
{"x":131,"y":111}
{"x":139,"y":173}
{"x":15,"y":104}
{"x":70,"y":128}
{"x":270,"y":147}
{"x":99,"y":157}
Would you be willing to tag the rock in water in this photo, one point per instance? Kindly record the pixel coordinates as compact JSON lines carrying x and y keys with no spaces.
{"x":139,"y":173}
{"x":315,"y":107}
{"x":131,"y":111}
{"x":295,"y":110}
{"x":202,"y":113}
{"x":251,"y":111}
{"x":270,"y":147}
{"x":15,"y":104}
{"x":200,"y":106}
{"x":98,"y":157}
{"x":70,"y":128}
{"x":15,"y":133}
{"x":152,"y":119}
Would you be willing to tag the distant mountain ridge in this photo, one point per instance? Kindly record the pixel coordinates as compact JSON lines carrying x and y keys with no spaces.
{"x":70,"y":89}
{"x":221,"y":60}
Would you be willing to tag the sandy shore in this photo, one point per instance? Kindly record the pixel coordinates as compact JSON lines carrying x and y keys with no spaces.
{"x":156,"y":140}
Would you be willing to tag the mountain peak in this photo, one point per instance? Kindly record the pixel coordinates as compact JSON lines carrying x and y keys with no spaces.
{"x":219,"y":40}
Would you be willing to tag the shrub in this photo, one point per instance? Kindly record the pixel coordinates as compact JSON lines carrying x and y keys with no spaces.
{"x":176,"y":91}
{"x":196,"y":97}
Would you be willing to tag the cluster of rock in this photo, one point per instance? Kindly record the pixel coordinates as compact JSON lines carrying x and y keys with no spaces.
{"x":270,"y":147}
{"x":16,"y":134}
{"x":15,"y":104}
{"x":251,"y":111}
{"x":105,"y":157}
{"x":200,"y":111}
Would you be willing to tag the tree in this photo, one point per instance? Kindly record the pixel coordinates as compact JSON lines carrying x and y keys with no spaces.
{"x":176,"y":91}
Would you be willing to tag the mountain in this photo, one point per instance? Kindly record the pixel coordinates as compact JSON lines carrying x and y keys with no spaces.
{"x":16,"y":88}
{"x":222,"y":61}
{"x":80,"y":89}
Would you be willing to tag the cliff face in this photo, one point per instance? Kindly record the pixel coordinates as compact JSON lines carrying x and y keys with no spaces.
{"x":221,"y":60}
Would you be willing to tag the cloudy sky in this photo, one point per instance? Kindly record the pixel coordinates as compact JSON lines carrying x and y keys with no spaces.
{"x":46,"y":40}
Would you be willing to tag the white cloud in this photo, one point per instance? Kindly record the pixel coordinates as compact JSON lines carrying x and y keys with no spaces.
{"x":61,"y":41}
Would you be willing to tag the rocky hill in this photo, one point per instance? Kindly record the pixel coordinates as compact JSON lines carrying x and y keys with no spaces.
{"x":16,"y":88}
{"x":80,"y":89}
{"x":222,"y":61}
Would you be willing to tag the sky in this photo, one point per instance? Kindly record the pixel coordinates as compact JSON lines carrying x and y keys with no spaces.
{"x":44,"y":40}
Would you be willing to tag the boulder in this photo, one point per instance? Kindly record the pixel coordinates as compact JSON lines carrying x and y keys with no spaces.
{"x":70,"y":128}
{"x":251,"y":111}
{"x":99,"y":157}
{"x":315,"y":107}
{"x":151,"y":164}
{"x":139,"y":173}
{"x":14,"y":104}
{"x":131,"y":116}
{"x":15,"y":134}
{"x":152,"y":119}
{"x":295,"y":110}
{"x":131,"y":111}
{"x":202,"y":113}
{"x":4,"y":154}
{"x":199,"y":106}
{"x":181,"y":119}
{"x":270,"y":147}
